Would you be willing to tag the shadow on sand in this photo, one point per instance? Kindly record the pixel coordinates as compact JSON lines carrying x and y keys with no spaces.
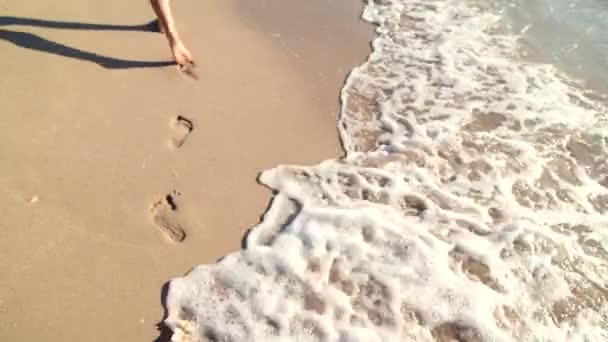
{"x":34,"y":42}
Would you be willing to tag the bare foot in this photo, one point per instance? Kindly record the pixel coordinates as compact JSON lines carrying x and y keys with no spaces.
{"x":181,"y":54}
{"x":184,"y":59}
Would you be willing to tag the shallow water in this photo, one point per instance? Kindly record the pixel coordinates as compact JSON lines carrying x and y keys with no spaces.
{"x":471,"y":204}
{"x":568,"y":33}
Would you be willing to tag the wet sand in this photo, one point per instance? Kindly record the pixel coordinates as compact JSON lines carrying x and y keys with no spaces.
{"x":88,"y":148}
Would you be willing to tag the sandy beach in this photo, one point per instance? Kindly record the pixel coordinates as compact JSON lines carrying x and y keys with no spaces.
{"x":100,"y":142}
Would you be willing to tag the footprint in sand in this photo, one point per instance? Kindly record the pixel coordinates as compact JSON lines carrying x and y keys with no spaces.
{"x":164,"y":215}
{"x":182,"y":127}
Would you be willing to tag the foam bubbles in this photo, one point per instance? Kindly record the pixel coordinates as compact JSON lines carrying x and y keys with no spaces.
{"x":470,"y":206}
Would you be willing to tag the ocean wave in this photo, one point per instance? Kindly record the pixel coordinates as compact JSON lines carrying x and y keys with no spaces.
{"x":471,"y":203}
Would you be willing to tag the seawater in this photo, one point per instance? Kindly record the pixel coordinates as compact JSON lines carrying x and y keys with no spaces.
{"x":570,"y":34}
{"x":471,"y":203}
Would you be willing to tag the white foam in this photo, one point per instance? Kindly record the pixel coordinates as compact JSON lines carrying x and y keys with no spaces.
{"x":471,"y":204}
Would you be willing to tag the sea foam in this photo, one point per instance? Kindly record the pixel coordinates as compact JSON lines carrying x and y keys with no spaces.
{"x":470,"y":206}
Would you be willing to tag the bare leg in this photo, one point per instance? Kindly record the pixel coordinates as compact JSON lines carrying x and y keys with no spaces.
{"x":162,"y":9}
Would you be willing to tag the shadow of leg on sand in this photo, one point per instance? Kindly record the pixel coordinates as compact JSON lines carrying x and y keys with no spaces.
{"x":71,"y":25}
{"x":34,"y":42}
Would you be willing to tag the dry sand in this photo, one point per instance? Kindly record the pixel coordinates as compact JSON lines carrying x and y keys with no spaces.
{"x":86,"y":150}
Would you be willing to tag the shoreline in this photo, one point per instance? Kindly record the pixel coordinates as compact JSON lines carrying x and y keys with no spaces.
{"x":88,"y":158}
